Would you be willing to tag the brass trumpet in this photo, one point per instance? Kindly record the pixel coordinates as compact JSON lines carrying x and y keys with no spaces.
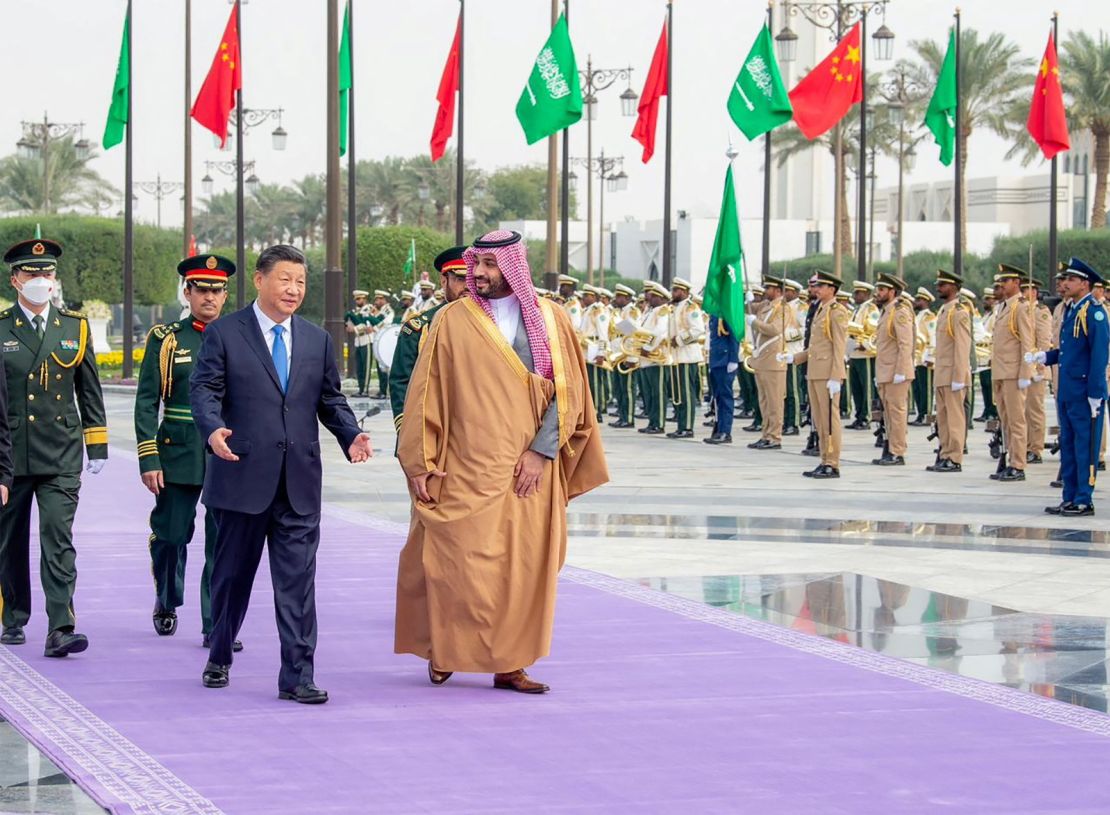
{"x":630,"y":352}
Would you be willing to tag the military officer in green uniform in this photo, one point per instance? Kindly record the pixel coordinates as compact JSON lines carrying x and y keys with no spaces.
{"x":56,"y":414}
{"x":452,"y":271}
{"x":171,"y":453}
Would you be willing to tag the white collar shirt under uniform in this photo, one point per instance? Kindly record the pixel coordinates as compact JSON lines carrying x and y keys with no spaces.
{"x":267,"y":326}
{"x":506,"y":313}
{"x":31,"y":315}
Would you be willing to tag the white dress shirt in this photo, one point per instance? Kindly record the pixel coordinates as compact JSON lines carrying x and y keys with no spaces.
{"x":267,"y":326}
{"x":506,"y":313}
{"x":31,"y":315}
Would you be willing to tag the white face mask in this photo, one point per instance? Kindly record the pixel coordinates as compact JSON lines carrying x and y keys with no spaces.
{"x":37,"y":290}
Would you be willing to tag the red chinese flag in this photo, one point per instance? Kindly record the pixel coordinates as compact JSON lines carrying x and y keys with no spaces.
{"x":448,"y":88}
{"x":192,"y":246}
{"x":1048,"y":125}
{"x":654,"y":88}
{"x":225,"y":77}
{"x":828,"y":92}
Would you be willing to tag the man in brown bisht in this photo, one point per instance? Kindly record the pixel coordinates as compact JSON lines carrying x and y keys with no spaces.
{"x":500,"y":432}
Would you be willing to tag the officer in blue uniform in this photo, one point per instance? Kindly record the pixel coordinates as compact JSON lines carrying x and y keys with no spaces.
{"x":1081,"y":400}
{"x":724,"y":361}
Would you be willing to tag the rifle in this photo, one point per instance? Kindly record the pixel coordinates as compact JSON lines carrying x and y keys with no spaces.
{"x":997,"y":443}
{"x":878,"y":415}
{"x":935,"y":434}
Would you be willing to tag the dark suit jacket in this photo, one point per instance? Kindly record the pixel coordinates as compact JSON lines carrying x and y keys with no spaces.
{"x":235,"y":385}
{"x":5,"y":433}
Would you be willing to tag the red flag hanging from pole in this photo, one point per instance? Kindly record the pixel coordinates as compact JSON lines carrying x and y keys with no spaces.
{"x":656,"y":87}
{"x":1048,"y":124}
{"x":448,"y":90}
{"x":827,"y":93}
{"x":217,"y":95}
{"x":192,"y":246}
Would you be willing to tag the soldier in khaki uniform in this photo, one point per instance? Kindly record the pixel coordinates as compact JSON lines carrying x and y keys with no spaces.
{"x":623,"y":381}
{"x":655,"y":321}
{"x":1035,"y":395}
{"x":1013,"y":337}
{"x":951,"y":373}
{"x":894,"y":343}
{"x":687,"y":338}
{"x":925,"y":324}
{"x":774,"y":321}
{"x":56,"y":415}
{"x":825,"y":371}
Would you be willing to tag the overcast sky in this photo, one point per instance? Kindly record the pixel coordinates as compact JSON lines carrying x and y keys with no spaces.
{"x":62,"y":57}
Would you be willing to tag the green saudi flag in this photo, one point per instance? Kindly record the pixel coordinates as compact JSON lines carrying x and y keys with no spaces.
{"x":724,"y":285}
{"x":116,"y":126}
{"x":410,"y":261}
{"x":552,"y":98}
{"x":344,"y":80}
{"x":759,"y":102}
{"x":940,"y":118}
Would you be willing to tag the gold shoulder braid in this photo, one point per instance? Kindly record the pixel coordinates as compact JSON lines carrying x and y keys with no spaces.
{"x":82,"y":344}
{"x":165,"y":363}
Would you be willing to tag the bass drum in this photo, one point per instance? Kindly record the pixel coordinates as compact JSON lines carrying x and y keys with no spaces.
{"x":385,"y":344}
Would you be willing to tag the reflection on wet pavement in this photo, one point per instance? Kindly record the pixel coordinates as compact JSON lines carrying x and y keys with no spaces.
{"x":1059,"y":656}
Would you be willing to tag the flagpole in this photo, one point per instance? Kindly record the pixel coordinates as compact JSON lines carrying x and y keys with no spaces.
{"x":352,"y":215}
{"x":958,"y":221}
{"x":766,"y":258}
{"x":861,"y":216}
{"x":187,"y":226}
{"x":564,"y":186}
{"x":128,"y":225}
{"x":668,"y":271}
{"x":1052,"y":249}
{"x":333,"y":272}
{"x":460,"y":156}
{"x":240,"y":204}
{"x":551,"y":260}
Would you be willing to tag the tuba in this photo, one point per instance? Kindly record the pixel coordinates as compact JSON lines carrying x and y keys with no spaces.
{"x":630,"y":352}
{"x":746,"y":351}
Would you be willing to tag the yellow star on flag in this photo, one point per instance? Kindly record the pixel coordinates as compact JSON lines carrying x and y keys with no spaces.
{"x":853,"y":53}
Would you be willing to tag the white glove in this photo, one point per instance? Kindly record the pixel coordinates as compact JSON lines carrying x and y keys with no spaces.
{"x":834,"y":387}
{"x":957,"y":387}
{"x":732,"y":366}
{"x":1038,"y":378}
{"x":787,"y":358}
{"x":1036,"y":356}
{"x":95,"y":465}
{"x":1096,"y":405}
{"x":1023,"y":384}
{"x":899,"y":379}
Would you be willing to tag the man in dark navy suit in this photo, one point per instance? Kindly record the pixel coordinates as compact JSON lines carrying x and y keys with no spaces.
{"x":263,"y":378}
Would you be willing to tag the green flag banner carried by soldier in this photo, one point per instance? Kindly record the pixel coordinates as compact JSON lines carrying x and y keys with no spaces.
{"x":344,"y":80}
{"x":552,"y":98}
{"x":724,"y":285}
{"x":940,"y":118}
{"x":759,"y":102}
{"x":410,"y":261}
{"x":116,"y":125}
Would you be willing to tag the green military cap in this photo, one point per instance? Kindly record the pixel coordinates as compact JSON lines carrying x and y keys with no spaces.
{"x":1032,"y":283}
{"x":772,"y":281}
{"x":826,"y":279}
{"x":1008,"y":272}
{"x":35,"y":255}
{"x":944,"y":276}
{"x":206,"y":271}
{"x":891,"y":282}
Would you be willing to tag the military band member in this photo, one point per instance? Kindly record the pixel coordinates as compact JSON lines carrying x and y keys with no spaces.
{"x":991,"y":305}
{"x":1014,"y":336}
{"x":825,"y":371}
{"x":593,"y":335}
{"x":894,"y":343}
{"x":407,"y":306}
{"x":425,"y":298}
{"x":381,"y":318}
{"x":571,"y":304}
{"x":357,"y":323}
{"x":656,"y":321}
{"x":795,"y":380}
{"x":925,"y":323}
{"x":54,"y":405}
{"x":624,"y":309}
{"x":687,"y":335}
{"x":1035,"y":395}
{"x":951,"y":373}
{"x":774,"y":322}
{"x":171,"y":452}
{"x":861,"y":355}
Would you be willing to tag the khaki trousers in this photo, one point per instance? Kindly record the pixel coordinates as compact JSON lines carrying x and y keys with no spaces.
{"x":1034,"y":416}
{"x":951,"y":423}
{"x":826,"y":420}
{"x":771,"y":386}
{"x":895,"y":408}
{"x":1010,"y":401}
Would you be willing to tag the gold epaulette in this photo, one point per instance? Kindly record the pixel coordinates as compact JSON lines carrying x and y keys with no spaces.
{"x":664,"y":311}
{"x":69,"y":313}
{"x":158,"y":331}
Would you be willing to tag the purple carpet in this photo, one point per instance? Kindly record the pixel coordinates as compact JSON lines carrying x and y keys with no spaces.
{"x":659,"y":705}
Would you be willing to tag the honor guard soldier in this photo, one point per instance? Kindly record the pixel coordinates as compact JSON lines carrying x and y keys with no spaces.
{"x":54,"y":405}
{"x":357,"y":322}
{"x":571,"y":304}
{"x":1035,"y":395}
{"x":824,"y":361}
{"x":655,"y":357}
{"x":687,"y":333}
{"x":1013,"y":337}
{"x":991,"y":305}
{"x":951,"y":373}
{"x":407,"y":306}
{"x":171,"y":452}
{"x":625,"y":311}
{"x":861,"y":352}
{"x":452,"y":271}
{"x":774,"y":322}
{"x":924,"y":349}
{"x":593,"y":335}
{"x":894,"y":343}
{"x":796,"y":396}
{"x":426,"y":298}
{"x":381,"y":317}
{"x":1081,"y":402}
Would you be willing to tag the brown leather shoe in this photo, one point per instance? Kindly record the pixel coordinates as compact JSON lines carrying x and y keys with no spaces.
{"x":518,"y":680}
{"x":437,"y":677}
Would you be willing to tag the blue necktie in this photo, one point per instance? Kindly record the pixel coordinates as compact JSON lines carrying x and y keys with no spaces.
{"x":281,"y":357}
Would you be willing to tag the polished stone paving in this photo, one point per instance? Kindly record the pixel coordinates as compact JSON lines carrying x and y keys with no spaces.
{"x":30,"y":782}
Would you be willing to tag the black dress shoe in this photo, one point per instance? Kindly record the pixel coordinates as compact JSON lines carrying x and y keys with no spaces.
{"x":1056,"y":485}
{"x":1077,"y":510}
{"x":306,"y":694}
{"x":1011,"y":474}
{"x":236,"y":646}
{"x":826,"y":471}
{"x":1101,"y":466}
{"x":764,"y":444}
{"x":165,"y":622}
{"x":811,"y":451}
{"x":63,"y":643}
{"x":13,"y":635}
{"x":858,"y":424}
{"x":752,"y":428}
{"x":790,"y":430}
{"x":681,"y":434}
{"x":980,"y":418}
{"x":889,"y":461}
{"x":1059,"y":508}
{"x":651,"y":431}
{"x":945,"y":465}
{"x":1033,"y":458}
{"x":215,"y":676}
{"x":710,"y":423}
{"x":719,"y":438}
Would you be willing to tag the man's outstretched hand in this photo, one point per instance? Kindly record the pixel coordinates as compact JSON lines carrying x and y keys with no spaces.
{"x":218,"y":442}
{"x":361,"y":449}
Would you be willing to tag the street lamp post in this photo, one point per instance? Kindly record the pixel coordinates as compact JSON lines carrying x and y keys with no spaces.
{"x":159,"y":189}
{"x":900,"y":91}
{"x":35,"y":143}
{"x":610,"y":172}
{"x":836,"y":16}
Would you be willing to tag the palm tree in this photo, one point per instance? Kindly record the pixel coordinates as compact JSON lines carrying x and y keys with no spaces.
{"x":309,"y":200}
{"x":56,"y":181}
{"x":215,"y":224}
{"x":391,"y":187}
{"x":993,"y":80}
{"x":1086,"y":72}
